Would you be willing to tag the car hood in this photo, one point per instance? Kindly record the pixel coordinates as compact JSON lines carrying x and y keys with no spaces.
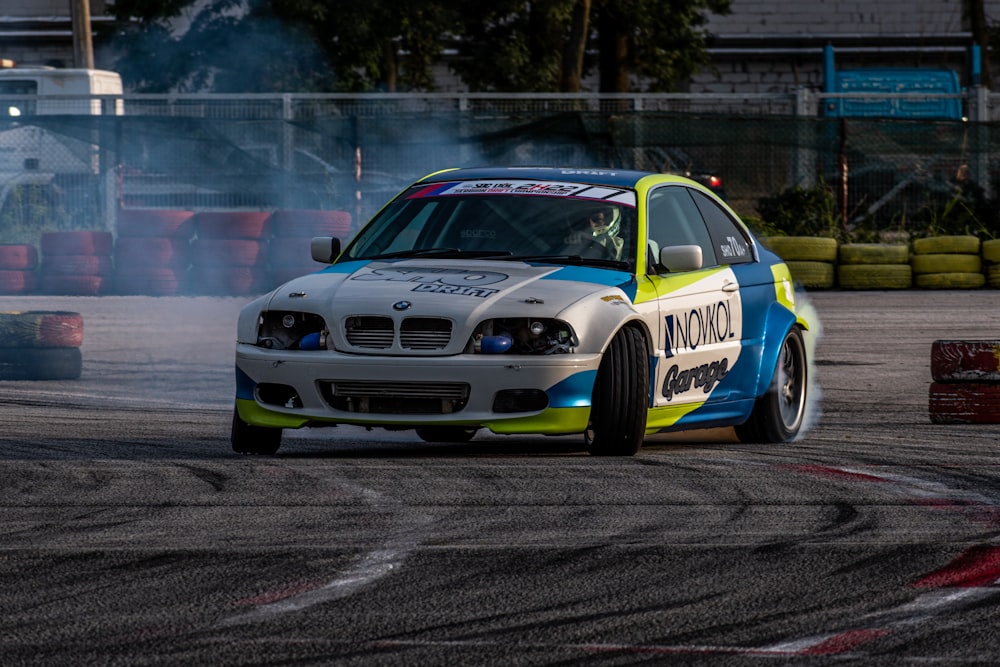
{"x":443,"y":288}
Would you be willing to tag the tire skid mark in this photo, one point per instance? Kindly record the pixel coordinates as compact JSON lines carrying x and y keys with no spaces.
{"x":365,"y":570}
{"x":842,"y":644}
{"x":971,"y":577}
{"x":975,"y":567}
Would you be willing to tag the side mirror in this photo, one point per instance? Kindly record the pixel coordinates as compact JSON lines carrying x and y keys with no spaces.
{"x":325,"y":249}
{"x":681,"y":258}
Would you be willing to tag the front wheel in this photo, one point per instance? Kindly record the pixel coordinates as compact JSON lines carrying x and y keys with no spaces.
{"x":249,"y":439}
{"x":777,"y":415}
{"x":621,"y":397}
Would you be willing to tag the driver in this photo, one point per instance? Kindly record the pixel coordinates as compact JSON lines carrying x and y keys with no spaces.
{"x":605,"y":223}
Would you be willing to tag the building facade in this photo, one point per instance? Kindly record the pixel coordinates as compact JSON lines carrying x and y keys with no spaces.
{"x":776,"y":45}
{"x":40,"y":32}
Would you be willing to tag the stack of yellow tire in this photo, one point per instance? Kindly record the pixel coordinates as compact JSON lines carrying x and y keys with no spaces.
{"x":874,"y":266}
{"x":991,"y":257}
{"x":810,"y":259}
{"x":947,"y":262}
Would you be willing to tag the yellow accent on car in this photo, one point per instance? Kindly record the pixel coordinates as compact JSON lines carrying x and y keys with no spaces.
{"x":252,"y":413}
{"x":553,"y":421}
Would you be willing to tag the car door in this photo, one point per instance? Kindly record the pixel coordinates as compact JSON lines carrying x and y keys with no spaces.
{"x":700,"y":311}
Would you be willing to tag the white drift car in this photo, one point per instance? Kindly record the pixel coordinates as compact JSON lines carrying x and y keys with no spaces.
{"x":611,"y":304}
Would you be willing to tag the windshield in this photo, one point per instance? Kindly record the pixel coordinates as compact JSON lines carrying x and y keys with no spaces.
{"x":589,"y":226}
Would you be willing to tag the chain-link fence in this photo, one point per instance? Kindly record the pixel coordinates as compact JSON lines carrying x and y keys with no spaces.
{"x":77,"y":169}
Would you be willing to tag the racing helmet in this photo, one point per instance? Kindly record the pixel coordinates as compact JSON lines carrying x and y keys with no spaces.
{"x":605,"y":219}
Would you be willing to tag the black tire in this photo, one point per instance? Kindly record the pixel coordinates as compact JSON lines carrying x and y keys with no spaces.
{"x":446,"y":433}
{"x":778,"y":414}
{"x":54,"y":363}
{"x":621,"y":397}
{"x":247,"y":439}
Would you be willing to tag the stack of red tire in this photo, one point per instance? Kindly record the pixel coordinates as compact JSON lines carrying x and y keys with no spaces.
{"x":152,"y":252}
{"x":40,"y":345}
{"x":966,"y":387}
{"x":76,"y":263}
{"x":18,"y":264}
{"x":228,"y":254}
{"x":288,"y":252}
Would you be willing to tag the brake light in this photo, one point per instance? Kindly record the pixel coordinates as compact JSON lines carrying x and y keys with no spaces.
{"x":714,"y":182}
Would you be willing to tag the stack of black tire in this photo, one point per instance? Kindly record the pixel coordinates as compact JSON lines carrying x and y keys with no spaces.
{"x":152,"y":252}
{"x":76,"y":263}
{"x":40,"y":345}
{"x":229,"y":253}
{"x":18,"y":267}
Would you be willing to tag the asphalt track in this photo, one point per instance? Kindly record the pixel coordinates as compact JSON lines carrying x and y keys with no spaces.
{"x":131,"y":534}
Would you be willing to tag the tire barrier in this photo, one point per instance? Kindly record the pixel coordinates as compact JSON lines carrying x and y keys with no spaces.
{"x":76,"y":263}
{"x":288,"y":252}
{"x":874,"y":266}
{"x":232,"y":224}
{"x":40,"y":345}
{"x":966,"y":382}
{"x":947,"y":262}
{"x":991,"y":258}
{"x":875,"y":276}
{"x":163,"y":223}
{"x":152,"y":252}
{"x":811,"y":275}
{"x":18,"y":264}
{"x":810,"y":259}
{"x":306,"y":223}
{"x":229,"y":253}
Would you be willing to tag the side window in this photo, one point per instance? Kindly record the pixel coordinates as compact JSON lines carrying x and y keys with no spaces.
{"x":674,"y":219}
{"x":731,"y":244}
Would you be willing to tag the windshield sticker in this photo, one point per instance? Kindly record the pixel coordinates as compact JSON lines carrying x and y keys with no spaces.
{"x":440,"y":280}
{"x":522,"y":187}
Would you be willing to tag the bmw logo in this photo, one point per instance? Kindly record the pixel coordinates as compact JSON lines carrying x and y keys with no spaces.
{"x":401,"y":305}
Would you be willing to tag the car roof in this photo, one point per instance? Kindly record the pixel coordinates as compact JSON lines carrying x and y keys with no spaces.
{"x":622,"y":178}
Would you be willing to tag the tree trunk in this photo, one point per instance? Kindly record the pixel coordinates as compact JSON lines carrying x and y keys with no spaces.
{"x":389,"y":65}
{"x":576,"y":48}
{"x":614,"y":55}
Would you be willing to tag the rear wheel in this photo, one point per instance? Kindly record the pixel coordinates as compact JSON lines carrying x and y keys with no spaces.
{"x":778,"y":415}
{"x":446,"y":433}
{"x":621,"y":398}
{"x":248,"y":439}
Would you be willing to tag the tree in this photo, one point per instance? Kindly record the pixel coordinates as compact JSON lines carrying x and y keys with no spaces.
{"x":279,"y":45}
{"x":513,"y":45}
{"x":654,"y":44}
{"x":319,"y":45}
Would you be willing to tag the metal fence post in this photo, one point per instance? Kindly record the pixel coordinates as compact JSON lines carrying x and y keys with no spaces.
{"x":803,"y":165}
{"x":979,"y":116}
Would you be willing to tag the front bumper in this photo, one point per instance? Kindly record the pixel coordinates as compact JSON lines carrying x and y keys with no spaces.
{"x":548,"y":394}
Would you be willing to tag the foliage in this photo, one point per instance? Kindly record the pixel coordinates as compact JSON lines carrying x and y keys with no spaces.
{"x":29,"y":210}
{"x":319,"y":46}
{"x":661,"y":41}
{"x":966,"y":212}
{"x":800,"y":211}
